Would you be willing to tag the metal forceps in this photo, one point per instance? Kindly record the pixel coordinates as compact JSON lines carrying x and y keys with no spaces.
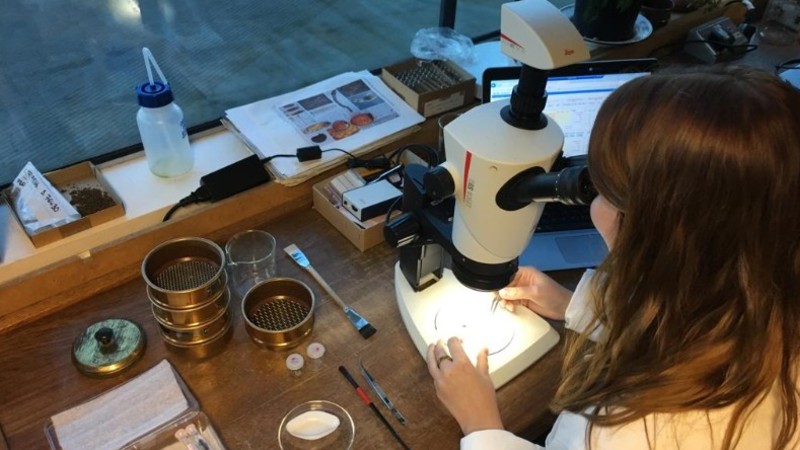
{"x":382,"y":395}
{"x":495,"y":301}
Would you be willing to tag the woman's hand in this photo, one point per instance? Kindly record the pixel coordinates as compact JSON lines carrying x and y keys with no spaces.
{"x":538,"y":292}
{"x":466,"y":390}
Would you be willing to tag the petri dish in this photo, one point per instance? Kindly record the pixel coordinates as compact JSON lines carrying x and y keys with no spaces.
{"x":471,"y":320}
{"x":340,"y":439}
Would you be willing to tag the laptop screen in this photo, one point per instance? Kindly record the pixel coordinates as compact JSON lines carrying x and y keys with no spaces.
{"x":574,"y":94}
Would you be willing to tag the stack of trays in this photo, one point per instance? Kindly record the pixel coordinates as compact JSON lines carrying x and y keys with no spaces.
{"x":189,"y":296}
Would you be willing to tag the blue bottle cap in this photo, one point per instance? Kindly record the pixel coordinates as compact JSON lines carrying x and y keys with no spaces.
{"x":154,"y":95}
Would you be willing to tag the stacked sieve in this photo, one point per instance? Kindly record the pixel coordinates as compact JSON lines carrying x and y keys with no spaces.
{"x":189,"y":296}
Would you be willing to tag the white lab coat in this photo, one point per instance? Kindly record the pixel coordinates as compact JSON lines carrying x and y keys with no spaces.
{"x":699,"y":430}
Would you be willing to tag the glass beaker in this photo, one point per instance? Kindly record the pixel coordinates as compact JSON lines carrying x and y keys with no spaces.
{"x":251,"y":259}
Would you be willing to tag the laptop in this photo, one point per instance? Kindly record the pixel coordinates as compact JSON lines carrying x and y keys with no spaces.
{"x":565,"y":237}
{"x":791,"y":74}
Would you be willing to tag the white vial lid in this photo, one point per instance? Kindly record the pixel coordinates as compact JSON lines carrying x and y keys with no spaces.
{"x":315,"y":350}
{"x":294,"y":361}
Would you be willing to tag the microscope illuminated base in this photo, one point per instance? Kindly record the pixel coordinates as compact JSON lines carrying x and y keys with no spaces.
{"x":447,"y":308}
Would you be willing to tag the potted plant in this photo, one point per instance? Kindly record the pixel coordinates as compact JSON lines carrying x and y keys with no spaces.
{"x":606,"y":20}
{"x":684,"y":6}
{"x":658,"y":12}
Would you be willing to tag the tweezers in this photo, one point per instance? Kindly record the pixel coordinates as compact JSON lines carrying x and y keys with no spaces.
{"x":382,"y":395}
{"x":495,"y":302}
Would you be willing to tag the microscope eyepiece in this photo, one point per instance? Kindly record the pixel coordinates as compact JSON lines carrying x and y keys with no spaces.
{"x":570,"y":186}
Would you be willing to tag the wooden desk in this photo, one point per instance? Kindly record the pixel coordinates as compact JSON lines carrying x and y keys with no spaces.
{"x":246,"y":390}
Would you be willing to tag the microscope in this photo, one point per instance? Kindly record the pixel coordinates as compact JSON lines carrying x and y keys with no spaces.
{"x":465,"y":222}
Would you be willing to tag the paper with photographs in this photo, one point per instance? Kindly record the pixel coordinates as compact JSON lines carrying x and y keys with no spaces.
{"x":354,"y":111}
{"x":339,"y":113}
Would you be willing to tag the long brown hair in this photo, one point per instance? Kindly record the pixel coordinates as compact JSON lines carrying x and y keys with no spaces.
{"x":699,"y":298}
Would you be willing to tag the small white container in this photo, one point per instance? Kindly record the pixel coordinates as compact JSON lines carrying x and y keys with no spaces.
{"x":315,"y":351}
{"x":294,"y":363}
{"x":163,"y":131}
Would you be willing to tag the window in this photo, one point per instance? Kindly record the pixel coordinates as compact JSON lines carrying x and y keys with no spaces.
{"x":70,"y":67}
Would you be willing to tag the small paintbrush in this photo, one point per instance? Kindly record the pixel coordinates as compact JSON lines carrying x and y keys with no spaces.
{"x":359,"y":322}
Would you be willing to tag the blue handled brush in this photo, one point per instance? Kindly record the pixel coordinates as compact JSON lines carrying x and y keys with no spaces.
{"x":364,"y":328}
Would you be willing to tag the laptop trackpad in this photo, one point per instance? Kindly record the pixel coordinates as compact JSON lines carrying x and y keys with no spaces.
{"x":586,"y":247}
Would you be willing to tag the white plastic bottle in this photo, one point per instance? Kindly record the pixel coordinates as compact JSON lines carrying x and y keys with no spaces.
{"x":163,"y":131}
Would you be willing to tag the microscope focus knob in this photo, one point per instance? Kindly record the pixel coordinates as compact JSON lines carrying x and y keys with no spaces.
{"x":438,"y":183}
{"x":401,"y":230}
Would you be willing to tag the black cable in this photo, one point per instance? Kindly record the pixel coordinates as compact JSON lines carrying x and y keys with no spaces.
{"x":397,"y":169}
{"x":791,"y":64}
{"x":377,"y":162}
{"x":492,"y":35}
{"x":340,"y":150}
{"x":433,"y":155}
{"x":392,"y":208}
{"x":271,"y":157}
{"x":199,"y":195}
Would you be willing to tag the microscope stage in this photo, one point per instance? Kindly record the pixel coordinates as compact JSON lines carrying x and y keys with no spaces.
{"x":447,"y":308}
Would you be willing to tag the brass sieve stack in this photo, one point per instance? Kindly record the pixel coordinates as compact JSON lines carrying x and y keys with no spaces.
{"x":189,"y":297}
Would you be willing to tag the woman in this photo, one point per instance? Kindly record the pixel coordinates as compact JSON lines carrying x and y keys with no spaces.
{"x":688,"y":334}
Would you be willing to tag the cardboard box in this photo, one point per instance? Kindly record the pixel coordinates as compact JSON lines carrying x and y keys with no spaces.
{"x":363,"y":235}
{"x":430,"y":87}
{"x":76,"y":180}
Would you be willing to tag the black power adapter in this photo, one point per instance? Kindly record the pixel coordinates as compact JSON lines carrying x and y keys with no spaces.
{"x":222,"y":183}
{"x":309,"y":153}
{"x":237,"y":177}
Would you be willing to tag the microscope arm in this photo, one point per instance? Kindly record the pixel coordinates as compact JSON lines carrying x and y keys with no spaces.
{"x":423,"y":235}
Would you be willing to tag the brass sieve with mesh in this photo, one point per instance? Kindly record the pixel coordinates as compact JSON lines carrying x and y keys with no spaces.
{"x":184,"y":272}
{"x":278,"y":312}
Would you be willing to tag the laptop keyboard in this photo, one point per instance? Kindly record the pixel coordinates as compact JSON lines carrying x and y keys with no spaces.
{"x":560,"y":217}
